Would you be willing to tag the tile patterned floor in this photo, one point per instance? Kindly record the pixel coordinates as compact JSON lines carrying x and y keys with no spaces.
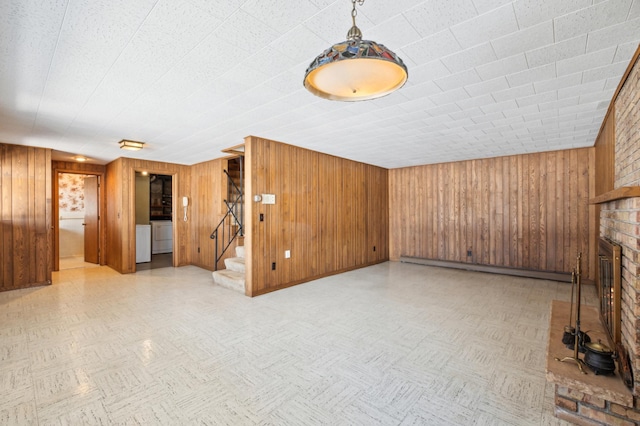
{"x":392,"y":344}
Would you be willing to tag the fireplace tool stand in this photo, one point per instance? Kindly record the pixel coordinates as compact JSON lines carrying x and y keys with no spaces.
{"x":575,"y":358}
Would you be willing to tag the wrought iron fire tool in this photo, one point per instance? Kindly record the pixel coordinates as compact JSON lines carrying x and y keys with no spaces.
{"x":577,"y":273}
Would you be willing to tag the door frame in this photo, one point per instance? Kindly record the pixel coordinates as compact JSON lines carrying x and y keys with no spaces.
{"x":175,"y":177}
{"x":102,"y":198}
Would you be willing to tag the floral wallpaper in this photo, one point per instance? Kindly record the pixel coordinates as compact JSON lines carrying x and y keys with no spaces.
{"x":71,"y":192}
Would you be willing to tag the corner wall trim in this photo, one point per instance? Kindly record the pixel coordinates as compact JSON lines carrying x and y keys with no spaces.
{"x":553,"y":276}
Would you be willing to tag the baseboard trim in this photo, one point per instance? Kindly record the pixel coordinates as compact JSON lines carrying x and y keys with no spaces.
{"x":527,"y":273}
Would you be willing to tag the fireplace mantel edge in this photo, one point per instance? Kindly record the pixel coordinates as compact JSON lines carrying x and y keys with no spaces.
{"x":616,"y":194}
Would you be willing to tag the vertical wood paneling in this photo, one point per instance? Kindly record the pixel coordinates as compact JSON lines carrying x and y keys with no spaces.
{"x":329,"y":212}
{"x":25,"y":215}
{"x":121,"y":224}
{"x":208,"y":189}
{"x":527,"y":211}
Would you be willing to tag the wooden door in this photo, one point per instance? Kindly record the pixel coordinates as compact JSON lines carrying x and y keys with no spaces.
{"x":91,"y":233}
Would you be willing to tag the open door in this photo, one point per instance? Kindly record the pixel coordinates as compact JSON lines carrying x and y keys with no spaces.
{"x":91,"y":229}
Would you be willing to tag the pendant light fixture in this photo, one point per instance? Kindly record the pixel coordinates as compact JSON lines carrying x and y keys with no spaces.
{"x":355,"y":69}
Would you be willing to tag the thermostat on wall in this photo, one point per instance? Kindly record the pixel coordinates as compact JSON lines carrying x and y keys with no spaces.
{"x":268,"y":198}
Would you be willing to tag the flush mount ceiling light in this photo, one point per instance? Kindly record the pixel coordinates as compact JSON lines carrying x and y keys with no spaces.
{"x":80,"y":158}
{"x":131,"y":145}
{"x":355,"y":69}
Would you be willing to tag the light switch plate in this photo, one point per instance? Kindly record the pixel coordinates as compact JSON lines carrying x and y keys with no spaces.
{"x":268,"y":198}
{"x":287,"y":254}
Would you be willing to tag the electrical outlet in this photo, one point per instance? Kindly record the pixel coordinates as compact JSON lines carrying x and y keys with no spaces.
{"x":261,"y":217}
{"x":198,"y":249}
{"x":273,"y":266}
{"x":374,"y":248}
{"x":469,"y":253}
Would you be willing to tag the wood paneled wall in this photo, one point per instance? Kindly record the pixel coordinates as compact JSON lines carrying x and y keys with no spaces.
{"x":526,"y":211}
{"x":80,"y":168}
{"x":25,"y":215}
{"x":209,"y":189}
{"x":329,"y":212}
{"x":121,"y":223}
{"x":605,"y":154}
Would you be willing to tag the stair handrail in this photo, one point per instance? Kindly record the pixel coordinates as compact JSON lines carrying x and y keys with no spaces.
{"x":231,"y":211}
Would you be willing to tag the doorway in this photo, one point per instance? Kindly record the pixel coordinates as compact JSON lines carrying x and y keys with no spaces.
{"x":78,"y":207}
{"x":154,"y":220}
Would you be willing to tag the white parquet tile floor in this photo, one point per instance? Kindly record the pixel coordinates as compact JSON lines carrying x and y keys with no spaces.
{"x":392,"y":344}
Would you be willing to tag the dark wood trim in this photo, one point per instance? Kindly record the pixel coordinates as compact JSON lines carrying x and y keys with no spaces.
{"x":527,"y":273}
{"x":617,"y":194}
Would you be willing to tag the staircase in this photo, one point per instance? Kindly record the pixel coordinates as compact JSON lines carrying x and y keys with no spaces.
{"x":232,"y":277}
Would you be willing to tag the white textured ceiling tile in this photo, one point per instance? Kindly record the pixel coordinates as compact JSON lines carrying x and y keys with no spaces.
{"x":432,"y":16}
{"x":635,"y":10}
{"x":420,"y":104}
{"x":469,"y":58}
{"x":532,"y":12}
{"x":584,"y":62}
{"x":582,"y":89}
{"x":486,"y":27}
{"x":561,"y":103}
{"x":428,"y":72}
{"x":625,"y":51}
{"x":514,"y":93}
{"x":426,"y":89}
{"x":545,"y":72}
{"x":537,"y":99}
{"x":302,"y":46}
{"x":526,"y":39}
{"x":488,"y":86}
{"x":270,"y":61}
{"x":612,"y":83}
{"x":443,"y":110}
{"x":510,"y":65}
{"x":499,"y":106}
{"x":393,"y":33}
{"x":28,"y":36}
{"x":220,"y":9}
{"x":624,"y":32}
{"x":483,"y":6}
{"x":76,"y":71}
{"x":462,"y":114}
{"x":592,"y":18}
{"x":558,"y":83}
{"x":450,"y":96}
{"x":595,"y":97}
{"x":556,"y":52}
{"x":522,"y":111}
{"x":246,"y":32}
{"x":454,"y":81}
{"x":432,"y":48}
{"x":280,"y":14}
{"x":488,"y":118}
{"x":333,"y":23}
{"x":482,"y":101}
{"x":381,"y":11}
{"x":602,"y":73}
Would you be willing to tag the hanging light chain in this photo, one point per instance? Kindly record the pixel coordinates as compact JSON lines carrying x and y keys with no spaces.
{"x":355,"y":33}
{"x":354,"y":12}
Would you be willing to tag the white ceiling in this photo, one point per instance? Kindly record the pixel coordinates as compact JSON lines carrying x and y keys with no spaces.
{"x":190,"y":77}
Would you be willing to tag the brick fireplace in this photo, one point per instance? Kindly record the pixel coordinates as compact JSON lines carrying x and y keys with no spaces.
{"x":589,"y":399}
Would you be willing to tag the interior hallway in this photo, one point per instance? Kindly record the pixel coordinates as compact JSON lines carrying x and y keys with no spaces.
{"x":389,"y":344}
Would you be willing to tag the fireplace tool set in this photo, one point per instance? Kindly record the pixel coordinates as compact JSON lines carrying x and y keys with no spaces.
{"x":597,"y":356}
